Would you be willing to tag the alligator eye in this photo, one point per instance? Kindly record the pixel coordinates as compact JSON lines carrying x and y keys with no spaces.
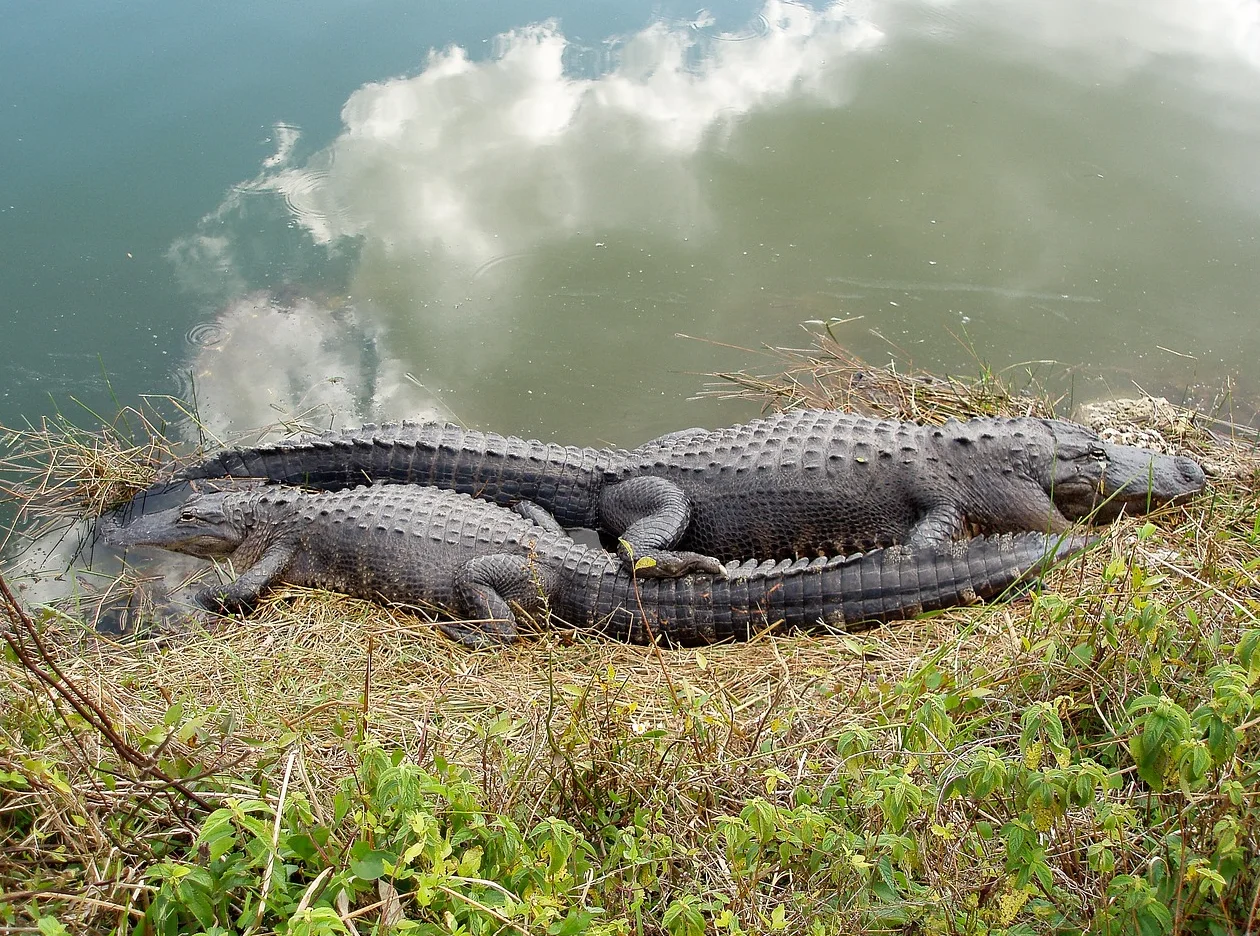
{"x":187,"y":516}
{"x":1098,"y":454}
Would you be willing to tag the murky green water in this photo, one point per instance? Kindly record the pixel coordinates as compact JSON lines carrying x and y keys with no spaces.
{"x":507,"y":214}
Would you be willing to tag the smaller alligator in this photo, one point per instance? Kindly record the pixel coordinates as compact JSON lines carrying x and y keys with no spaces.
{"x":425,"y":546}
{"x":801,"y":483}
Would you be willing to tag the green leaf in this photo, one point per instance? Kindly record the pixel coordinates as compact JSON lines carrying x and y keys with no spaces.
{"x":221,"y":846}
{"x":190,"y":728}
{"x":316,"y":921}
{"x":51,"y":926}
{"x":778,"y":918}
{"x":1016,"y":835}
{"x":1153,"y":919}
{"x":577,"y":921}
{"x":370,"y":865}
{"x":193,"y":894}
{"x":1149,"y":761}
{"x":470,"y":863}
{"x":883,"y":884}
{"x":302,"y":846}
{"x":683,"y":917}
{"x":341,"y":807}
{"x":1247,"y":653}
{"x":13,"y":780}
{"x":1081,"y":655}
{"x":1222,"y":739}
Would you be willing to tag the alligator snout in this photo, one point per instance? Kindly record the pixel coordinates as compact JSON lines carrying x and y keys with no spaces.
{"x":1158,"y":478}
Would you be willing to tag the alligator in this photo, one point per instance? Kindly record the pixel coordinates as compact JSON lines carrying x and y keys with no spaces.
{"x":801,"y":483}
{"x":426,"y":546}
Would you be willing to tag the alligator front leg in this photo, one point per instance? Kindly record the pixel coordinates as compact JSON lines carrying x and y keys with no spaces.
{"x":942,"y":523}
{"x":651,"y":514}
{"x":1030,"y":511}
{"x":486,"y":588}
{"x":242,"y":593}
{"x":1035,"y":511}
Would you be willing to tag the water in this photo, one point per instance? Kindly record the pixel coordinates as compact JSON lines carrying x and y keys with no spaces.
{"x":507,"y":213}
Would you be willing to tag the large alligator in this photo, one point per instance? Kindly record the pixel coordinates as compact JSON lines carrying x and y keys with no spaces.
{"x":802,"y":483}
{"x":476,"y":560}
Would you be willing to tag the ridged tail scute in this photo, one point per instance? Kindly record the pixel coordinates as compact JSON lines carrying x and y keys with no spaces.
{"x":818,"y":595}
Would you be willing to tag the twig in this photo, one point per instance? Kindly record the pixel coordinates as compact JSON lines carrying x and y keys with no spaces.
{"x":14,"y":896}
{"x":483,"y":908}
{"x":23,"y":629}
{"x":275,"y":843}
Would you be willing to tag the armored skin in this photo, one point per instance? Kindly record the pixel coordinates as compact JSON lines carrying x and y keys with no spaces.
{"x":480,"y":562}
{"x":802,"y":483}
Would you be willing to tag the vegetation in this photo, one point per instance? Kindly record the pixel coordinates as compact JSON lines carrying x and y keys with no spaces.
{"x":1086,"y":760}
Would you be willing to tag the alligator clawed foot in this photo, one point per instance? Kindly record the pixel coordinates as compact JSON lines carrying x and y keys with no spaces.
{"x":480,"y":635}
{"x":217,"y":600}
{"x":660,"y":563}
{"x":210,"y":598}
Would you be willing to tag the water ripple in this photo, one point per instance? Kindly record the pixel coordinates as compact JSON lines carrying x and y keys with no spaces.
{"x":501,"y":259}
{"x":703,"y":23}
{"x":183,"y":386}
{"x":298,"y":189}
{"x":206,"y":334}
{"x":754,"y":30}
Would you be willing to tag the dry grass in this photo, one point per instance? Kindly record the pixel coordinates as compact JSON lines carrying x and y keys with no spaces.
{"x":55,"y":470}
{"x":826,"y":375}
{"x":557,"y":724}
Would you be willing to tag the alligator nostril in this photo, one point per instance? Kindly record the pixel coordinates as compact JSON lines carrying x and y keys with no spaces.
{"x":1191,"y":473}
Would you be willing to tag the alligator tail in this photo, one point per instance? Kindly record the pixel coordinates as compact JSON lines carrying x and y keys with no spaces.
{"x":822,"y":594}
{"x":490,"y":466}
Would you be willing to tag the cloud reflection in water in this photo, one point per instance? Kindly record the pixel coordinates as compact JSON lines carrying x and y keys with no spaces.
{"x":271,"y":359}
{"x":479,"y":195}
{"x":473,"y":160}
{"x":463,"y":173}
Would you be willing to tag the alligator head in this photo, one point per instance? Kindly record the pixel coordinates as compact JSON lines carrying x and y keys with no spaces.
{"x":1086,"y":476}
{"x":199,"y":527}
{"x":223,"y":521}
